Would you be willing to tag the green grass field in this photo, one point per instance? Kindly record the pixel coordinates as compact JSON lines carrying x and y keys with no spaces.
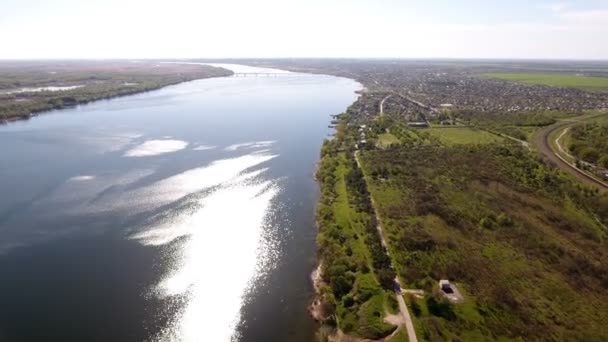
{"x":387,"y":139}
{"x":557,"y":80}
{"x":462,"y":136}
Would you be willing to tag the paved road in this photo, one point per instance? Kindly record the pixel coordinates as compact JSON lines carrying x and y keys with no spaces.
{"x":542,"y":142}
{"x":382,"y":103}
{"x":409,"y":325}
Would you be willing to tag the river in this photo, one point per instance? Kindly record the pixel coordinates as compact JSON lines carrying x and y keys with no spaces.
{"x":182,"y":214}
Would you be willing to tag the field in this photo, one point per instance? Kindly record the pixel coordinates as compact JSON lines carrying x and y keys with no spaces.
{"x":526,"y":244}
{"x":557,"y":80}
{"x":462,"y":135}
{"x":516,"y":125}
{"x":32,"y":87}
{"x":387,"y":139}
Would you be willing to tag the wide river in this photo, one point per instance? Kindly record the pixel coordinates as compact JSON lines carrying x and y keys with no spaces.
{"x":182,"y":214}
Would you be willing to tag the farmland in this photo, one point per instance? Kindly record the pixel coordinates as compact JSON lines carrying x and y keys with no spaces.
{"x":557,"y":80}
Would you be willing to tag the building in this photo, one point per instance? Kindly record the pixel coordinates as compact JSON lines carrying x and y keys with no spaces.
{"x":418,"y":124}
{"x":445,"y":286}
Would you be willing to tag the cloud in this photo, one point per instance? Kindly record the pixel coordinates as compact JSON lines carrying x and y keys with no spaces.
{"x":587,"y":18}
{"x":556,"y":7}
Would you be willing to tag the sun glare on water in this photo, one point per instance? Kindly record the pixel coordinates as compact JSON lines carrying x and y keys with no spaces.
{"x":218,"y":241}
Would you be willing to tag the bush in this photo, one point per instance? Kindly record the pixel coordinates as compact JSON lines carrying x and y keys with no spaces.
{"x":440,"y":308}
{"x":416,"y":309}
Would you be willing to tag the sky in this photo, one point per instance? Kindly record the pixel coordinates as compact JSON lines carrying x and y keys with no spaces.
{"x":36,"y":29}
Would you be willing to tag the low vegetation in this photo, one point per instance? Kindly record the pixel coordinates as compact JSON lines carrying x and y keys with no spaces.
{"x":462,"y":135}
{"x":589,"y":142}
{"x":525,"y":243}
{"x":387,"y":140}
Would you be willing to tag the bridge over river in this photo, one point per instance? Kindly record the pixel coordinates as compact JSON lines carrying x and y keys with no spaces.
{"x":273,"y":74}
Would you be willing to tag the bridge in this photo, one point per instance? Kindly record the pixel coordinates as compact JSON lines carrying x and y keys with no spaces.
{"x":272,"y":74}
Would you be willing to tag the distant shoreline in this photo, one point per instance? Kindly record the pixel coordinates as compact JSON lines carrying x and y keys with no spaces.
{"x":99,"y":82}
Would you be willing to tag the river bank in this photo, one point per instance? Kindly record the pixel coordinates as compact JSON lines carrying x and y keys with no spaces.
{"x":354,"y":281}
{"x":31,"y":88}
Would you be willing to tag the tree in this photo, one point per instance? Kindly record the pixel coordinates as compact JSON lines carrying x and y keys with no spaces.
{"x":603,"y":161}
{"x":341,"y":285}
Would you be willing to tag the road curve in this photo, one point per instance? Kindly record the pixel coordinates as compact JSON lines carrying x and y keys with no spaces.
{"x":542,"y":142}
{"x":382,"y":103}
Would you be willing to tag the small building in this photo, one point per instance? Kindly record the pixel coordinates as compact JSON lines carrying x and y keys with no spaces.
{"x":446,"y":105}
{"x":418,"y":124}
{"x":450,"y":291}
{"x":445,"y":286}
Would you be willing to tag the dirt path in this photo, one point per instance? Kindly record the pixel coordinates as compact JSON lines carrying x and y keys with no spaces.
{"x":409,"y":325}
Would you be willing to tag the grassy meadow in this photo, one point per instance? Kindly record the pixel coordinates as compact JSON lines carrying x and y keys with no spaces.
{"x":387,"y":139}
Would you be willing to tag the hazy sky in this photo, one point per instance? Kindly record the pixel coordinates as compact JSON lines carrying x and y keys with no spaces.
{"x":305,"y":28}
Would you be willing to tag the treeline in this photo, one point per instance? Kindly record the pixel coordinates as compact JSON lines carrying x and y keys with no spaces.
{"x":538,"y":119}
{"x":511,"y":124}
{"x":361,"y":197}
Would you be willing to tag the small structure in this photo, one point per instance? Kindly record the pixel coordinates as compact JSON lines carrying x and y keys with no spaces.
{"x":450,"y":291}
{"x":445,"y":286}
{"x":603,"y":174}
{"x":446,"y":105}
{"x":418,"y":124}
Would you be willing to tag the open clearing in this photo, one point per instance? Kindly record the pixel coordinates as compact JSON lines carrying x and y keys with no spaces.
{"x":387,"y":139}
{"x":463,"y":135}
{"x":558,"y":80}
